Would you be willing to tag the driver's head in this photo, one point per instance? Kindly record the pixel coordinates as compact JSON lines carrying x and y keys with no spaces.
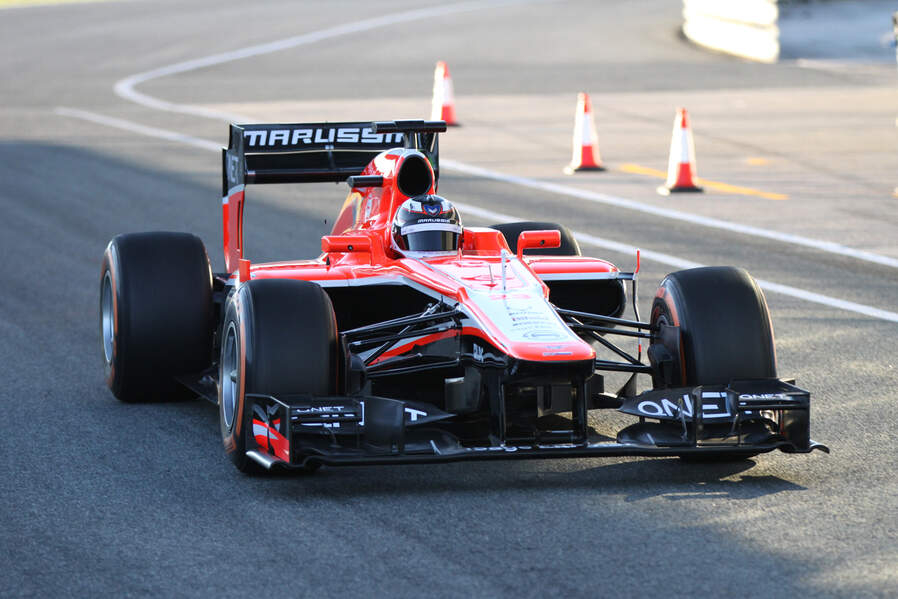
{"x":426,"y":224}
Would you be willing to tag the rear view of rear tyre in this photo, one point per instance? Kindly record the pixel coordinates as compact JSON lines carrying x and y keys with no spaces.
{"x":279,"y":337}
{"x":511,"y":231}
{"x":725,"y":329}
{"x":156,"y":313}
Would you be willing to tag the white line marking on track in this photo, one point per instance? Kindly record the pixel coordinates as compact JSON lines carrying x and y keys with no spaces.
{"x":695,"y":219}
{"x":872,"y":66}
{"x":138,"y":128}
{"x":126,"y":89}
{"x":676,"y":262}
{"x":585,"y":238}
{"x":500,"y":217}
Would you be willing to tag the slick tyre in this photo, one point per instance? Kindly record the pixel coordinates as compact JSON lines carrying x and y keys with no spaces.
{"x":156,"y":313}
{"x":725,"y":328}
{"x":568,"y":247}
{"x":725,"y":332}
{"x":278,"y":337}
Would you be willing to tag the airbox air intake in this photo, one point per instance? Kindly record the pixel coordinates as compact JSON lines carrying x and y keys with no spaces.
{"x":415,"y":177}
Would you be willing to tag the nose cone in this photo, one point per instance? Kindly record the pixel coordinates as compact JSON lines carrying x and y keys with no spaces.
{"x":568,"y":351}
{"x":527,"y":326}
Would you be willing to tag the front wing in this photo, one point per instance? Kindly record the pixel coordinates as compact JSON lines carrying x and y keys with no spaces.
{"x":743,"y":418}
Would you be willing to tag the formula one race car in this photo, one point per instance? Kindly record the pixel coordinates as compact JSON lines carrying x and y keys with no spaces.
{"x":414,"y":339}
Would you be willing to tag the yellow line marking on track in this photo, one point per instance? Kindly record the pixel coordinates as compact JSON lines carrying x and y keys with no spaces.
{"x":715,"y":185}
{"x":24,"y":3}
{"x":642,"y":170}
{"x":757,"y":161}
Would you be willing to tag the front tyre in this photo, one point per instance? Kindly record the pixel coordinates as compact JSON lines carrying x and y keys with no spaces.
{"x":725,"y":333}
{"x":156,"y":313}
{"x":279,"y":337}
{"x":724,"y":324}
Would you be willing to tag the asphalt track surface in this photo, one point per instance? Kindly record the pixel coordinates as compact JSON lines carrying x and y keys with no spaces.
{"x":99,"y":498}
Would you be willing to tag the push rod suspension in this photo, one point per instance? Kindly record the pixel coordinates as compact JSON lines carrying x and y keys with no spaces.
{"x":609,"y":319}
{"x":403,"y":321}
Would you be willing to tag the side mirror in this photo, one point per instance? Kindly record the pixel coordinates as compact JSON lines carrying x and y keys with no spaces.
{"x":345,"y":243}
{"x":538,"y":239}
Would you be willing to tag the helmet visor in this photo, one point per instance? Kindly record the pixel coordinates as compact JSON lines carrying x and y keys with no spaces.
{"x":432,"y":241}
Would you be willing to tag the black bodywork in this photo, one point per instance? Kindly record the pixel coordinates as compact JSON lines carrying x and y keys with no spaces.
{"x":453,"y":401}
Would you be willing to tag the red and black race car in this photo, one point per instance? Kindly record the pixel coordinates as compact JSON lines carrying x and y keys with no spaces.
{"x":414,"y":339}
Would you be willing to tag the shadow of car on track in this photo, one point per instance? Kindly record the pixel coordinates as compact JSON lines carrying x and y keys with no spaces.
{"x":636,"y":480}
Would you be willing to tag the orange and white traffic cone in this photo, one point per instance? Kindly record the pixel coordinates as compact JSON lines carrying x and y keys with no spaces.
{"x":681,"y":167}
{"x":443,"y":108}
{"x":586,"y":141}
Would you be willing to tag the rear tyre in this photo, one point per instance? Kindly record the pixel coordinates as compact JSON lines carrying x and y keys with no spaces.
{"x":568,"y":247}
{"x":725,"y":332}
{"x":156,"y":313}
{"x":279,"y":337}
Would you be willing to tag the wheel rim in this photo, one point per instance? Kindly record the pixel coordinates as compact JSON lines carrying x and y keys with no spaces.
{"x":107,"y":317}
{"x":228,"y":376}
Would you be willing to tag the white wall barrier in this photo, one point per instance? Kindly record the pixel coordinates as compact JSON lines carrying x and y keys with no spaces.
{"x":746,"y":28}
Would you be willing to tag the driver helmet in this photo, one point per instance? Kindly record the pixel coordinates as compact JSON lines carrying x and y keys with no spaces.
{"x":426,"y":225}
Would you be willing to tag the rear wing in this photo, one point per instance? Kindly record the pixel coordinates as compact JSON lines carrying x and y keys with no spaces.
{"x":319,"y":152}
{"x":308,"y":153}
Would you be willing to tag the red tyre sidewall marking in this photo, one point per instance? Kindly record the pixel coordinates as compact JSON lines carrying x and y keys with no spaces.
{"x":230,"y":441}
{"x":665,"y":296}
{"x":241,"y":366}
{"x":336,"y":362}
